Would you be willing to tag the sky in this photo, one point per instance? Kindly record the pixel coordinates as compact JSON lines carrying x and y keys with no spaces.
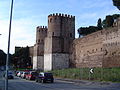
{"x":28,"y":14}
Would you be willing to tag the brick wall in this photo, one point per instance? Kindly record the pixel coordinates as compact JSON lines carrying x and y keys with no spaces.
{"x":99,"y":49}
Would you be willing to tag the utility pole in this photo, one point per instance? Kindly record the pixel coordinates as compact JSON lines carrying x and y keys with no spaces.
{"x":7,"y":59}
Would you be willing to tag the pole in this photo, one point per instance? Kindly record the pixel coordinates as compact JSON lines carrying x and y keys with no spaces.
{"x":7,"y":59}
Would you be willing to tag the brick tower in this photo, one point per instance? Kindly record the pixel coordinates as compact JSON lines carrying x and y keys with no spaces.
{"x":61,"y":33}
{"x":38,"y":58}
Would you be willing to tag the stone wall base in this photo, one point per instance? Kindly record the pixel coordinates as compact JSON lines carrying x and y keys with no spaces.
{"x":56,"y":61}
{"x":38,"y":62}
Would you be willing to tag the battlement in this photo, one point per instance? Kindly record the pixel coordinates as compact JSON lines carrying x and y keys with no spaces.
{"x":41,"y":27}
{"x":61,"y":15}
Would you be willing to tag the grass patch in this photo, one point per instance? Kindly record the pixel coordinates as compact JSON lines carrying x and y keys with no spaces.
{"x":99,"y":74}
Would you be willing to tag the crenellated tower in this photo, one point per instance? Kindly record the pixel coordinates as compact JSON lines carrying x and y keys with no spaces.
{"x":61,"y":33}
{"x":41,"y":33}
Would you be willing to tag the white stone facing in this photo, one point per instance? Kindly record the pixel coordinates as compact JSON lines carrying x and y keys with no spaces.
{"x":47,"y":62}
{"x":60,"y":61}
{"x":40,"y":62}
{"x":56,"y":61}
{"x":35,"y":62}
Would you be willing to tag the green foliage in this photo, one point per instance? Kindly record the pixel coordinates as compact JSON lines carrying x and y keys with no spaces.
{"x":104,"y":23}
{"x":21,"y":58}
{"x":116,"y":3}
{"x":108,"y":22}
{"x":100,"y":74}
{"x":2,"y":58}
{"x":115,"y":16}
{"x":87,"y":30}
{"x":99,"y":24}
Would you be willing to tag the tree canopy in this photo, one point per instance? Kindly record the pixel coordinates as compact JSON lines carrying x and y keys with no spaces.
{"x":87,"y":30}
{"x":107,"y":22}
{"x":116,"y":3}
{"x":21,"y":58}
{"x":2,"y":58}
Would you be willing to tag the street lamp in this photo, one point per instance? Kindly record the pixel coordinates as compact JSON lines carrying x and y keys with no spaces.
{"x":7,"y":59}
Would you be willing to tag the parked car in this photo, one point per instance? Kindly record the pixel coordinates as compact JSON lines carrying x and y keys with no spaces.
{"x":10,"y":75}
{"x":31,"y":75}
{"x":23,"y":75}
{"x":16,"y":72}
{"x":19,"y":73}
{"x":45,"y":77}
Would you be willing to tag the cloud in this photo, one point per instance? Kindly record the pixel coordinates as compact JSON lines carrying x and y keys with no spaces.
{"x":21,"y":33}
{"x":28,"y":14}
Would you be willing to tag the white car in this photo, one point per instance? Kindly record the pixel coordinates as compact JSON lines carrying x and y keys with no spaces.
{"x":19,"y":73}
{"x":23,"y":75}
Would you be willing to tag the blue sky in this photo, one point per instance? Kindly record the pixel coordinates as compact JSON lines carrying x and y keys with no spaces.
{"x":28,"y":14}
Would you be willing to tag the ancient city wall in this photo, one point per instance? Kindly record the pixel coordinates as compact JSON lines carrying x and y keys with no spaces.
{"x":111,"y":46}
{"x":38,"y":58}
{"x":61,"y":28}
{"x":61,"y":25}
{"x":41,"y":33}
{"x":99,"y":49}
{"x":87,"y":51}
{"x":61,"y":33}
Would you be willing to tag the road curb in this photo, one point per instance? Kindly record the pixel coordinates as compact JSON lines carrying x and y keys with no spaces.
{"x":85,"y":82}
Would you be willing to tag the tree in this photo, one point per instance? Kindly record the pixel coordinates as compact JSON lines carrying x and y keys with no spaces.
{"x":116,"y":16}
{"x":99,"y":24}
{"x":2,"y":58}
{"x":21,"y":58}
{"x":82,"y":31}
{"x":109,"y":21}
{"x":116,"y":3}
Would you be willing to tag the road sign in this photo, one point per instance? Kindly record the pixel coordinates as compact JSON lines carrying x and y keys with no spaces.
{"x":91,"y":70}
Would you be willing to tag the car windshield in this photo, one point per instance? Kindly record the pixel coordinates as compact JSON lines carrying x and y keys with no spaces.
{"x":48,"y":74}
{"x":9,"y":72}
{"x":34,"y":73}
{"x":26,"y":72}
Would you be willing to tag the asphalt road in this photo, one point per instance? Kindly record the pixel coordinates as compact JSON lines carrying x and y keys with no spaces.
{"x":21,"y":84}
{"x":1,"y":80}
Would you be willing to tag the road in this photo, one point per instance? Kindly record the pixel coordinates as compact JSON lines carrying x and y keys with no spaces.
{"x":21,"y":84}
{"x":1,"y":80}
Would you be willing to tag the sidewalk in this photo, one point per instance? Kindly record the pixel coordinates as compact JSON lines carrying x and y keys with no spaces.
{"x":86,"y":82}
{"x":93,"y":84}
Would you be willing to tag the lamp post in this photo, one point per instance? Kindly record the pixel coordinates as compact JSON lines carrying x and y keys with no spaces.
{"x":7,"y":59}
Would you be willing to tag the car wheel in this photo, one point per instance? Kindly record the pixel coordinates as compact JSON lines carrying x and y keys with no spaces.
{"x":43,"y":81}
{"x":52,"y":81}
{"x":36,"y":80}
